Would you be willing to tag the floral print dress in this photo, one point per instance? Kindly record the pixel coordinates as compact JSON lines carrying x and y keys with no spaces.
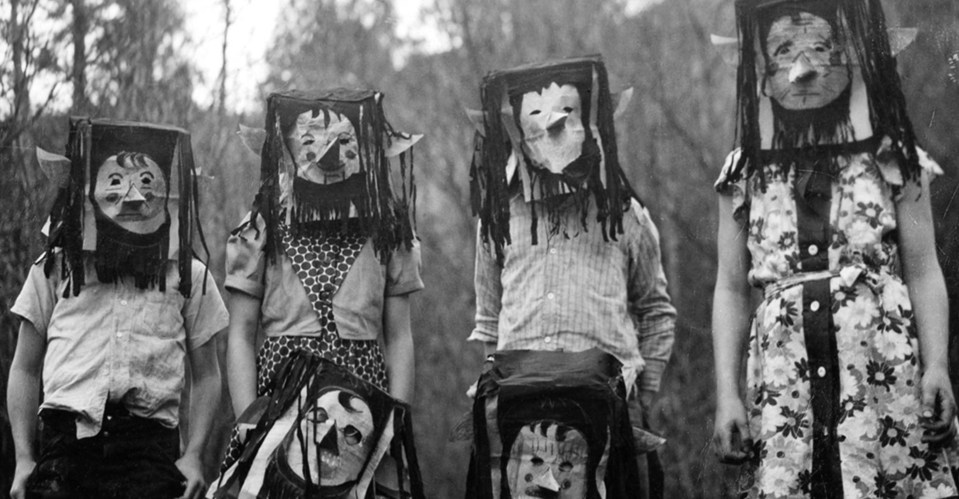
{"x":865,"y":389}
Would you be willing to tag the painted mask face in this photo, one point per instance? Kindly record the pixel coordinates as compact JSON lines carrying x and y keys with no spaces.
{"x":132,"y":191}
{"x":552,"y":125}
{"x":548,"y":459}
{"x":324,"y":147}
{"x":339,"y":435}
{"x":805,"y":63}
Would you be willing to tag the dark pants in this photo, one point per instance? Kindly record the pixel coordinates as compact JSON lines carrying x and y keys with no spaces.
{"x":651,"y":479}
{"x":131,"y":457}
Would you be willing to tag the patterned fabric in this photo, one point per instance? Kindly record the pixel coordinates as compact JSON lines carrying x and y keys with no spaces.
{"x":114,"y":340}
{"x":878,"y":432}
{"x":363,"y":358}
{"x":575,"y":291}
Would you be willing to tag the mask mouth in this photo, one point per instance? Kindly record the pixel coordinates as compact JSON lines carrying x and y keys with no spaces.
{"x":535,"y":491}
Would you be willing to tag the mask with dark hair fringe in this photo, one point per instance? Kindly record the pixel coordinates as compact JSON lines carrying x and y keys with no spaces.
{"x":798,"y":136}
{"x":365,"y":197}
{"x":593,"y":176}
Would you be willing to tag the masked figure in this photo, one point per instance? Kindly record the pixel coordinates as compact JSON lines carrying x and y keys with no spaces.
{"x":114,"y":316}
{"x":322,"y":433}
{"x":327,"y":249}
{"x":828,"y":185}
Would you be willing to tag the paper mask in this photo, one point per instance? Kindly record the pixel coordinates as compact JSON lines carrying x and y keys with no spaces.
{"x":128,"y":199}
{"x":817,"y":74}
{"x":548,"y":424}
{"x":326,"y":157}
{"x":548,"y":126}
{"x":323,"y":432}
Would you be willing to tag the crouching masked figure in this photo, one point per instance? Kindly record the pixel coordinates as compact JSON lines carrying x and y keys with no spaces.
{"x":567,"y":259}
{"x":552,"y":424}
{"x":321,"y":433}
{"x":327,"y":258}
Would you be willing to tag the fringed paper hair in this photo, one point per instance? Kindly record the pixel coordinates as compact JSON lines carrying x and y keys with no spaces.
{"x":77,"y":225}
{"x":383,"y":210}
{"x":861,"y":25}
{"x":489,"y":186}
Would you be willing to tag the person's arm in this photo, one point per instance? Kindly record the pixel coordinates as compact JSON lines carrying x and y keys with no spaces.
{"x":241,"y":349}
{"x":731,"y":311}
{"x":398,"y":344}
{"x":927,"y":291}
{"x":204,"y":402}
{"x":23,"y":400}
{"x":489,"y":294}
{"x":649,"y":304}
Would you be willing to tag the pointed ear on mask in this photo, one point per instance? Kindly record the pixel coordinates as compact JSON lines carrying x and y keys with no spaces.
{"x":54,"y":166}
{"x":476,"y":118}
{"x":400,"y":143}
{"x":900,"y":38}
{"x":622,"y":102}
{"x":253,"y":138}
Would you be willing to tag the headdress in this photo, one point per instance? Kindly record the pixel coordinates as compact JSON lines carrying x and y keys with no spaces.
{"x":860,"y":25}
{"x":370,"y":197}
{"x":114,"y":170}
{"x":502,"y":149}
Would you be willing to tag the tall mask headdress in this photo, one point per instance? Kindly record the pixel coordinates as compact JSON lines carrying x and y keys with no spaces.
{"x":550,"y":125}
{"x":859,"y":56}
{"x":127,"y":195}
{"x":326,"y":158}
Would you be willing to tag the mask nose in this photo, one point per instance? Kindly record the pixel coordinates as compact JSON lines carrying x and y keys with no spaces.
{"x":328,"y":443}
{"x":547,"y":481}
{"x":803,"y":70}
{"x":331,"y":158}
{"x":555,"y":122}
{"x":133,"y":199}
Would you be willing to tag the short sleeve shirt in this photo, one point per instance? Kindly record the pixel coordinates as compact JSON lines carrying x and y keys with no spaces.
{"x":285,"y":307}
{"x":118,"y":343}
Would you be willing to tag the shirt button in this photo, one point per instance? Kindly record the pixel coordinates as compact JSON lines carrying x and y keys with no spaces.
{"x":547,"y":339}
{"x":119,"y":335}
{"x":814,"y":306}
{"x":550,"y":295}
{"x":813,"y":249}
{"x":552,"y":251}
{"x":123,"y":302}
{"x":821,"y":372}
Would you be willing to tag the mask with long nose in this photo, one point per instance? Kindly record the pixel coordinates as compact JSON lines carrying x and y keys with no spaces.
{"x":552,"y":125}
{"x":548,"y":460}
{"x":131,"y":191}
{"x":806,"y":66}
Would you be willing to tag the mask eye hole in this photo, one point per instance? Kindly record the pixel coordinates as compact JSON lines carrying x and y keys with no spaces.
{"x":352,"y":435}
{"x":534,"y":112}
{"x":537,"y":461}
{"x":345,"y":140}
{"x":568,"y":109}
{"x":318,"y":415}
{"x":146,"y":178}
{"x":113,"y":198}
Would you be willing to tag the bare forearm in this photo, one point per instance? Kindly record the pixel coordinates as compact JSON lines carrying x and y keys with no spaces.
{"x":401,"y":367}
{"x":241,"y":349}
{"x":23,"y":400}
{"x":204,"y":396}
{"x":931,"y":312}
{"x":730,"y":325}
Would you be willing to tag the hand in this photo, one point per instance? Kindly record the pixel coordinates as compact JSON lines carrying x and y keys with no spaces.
{"x":646,"y":399}
{"x":471,"y":391}
{"x":189,"y":465}
{"x":938,"y":408}
{"x":20,"y":476}
{"x":732,"y":442}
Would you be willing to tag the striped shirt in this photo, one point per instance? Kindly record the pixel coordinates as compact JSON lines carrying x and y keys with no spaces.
{"x":575,"y":291}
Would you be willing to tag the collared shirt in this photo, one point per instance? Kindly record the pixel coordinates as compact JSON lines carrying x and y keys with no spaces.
{"x":286,"y":309}
{"x":114,"y":342}
{"x":576,"y":291}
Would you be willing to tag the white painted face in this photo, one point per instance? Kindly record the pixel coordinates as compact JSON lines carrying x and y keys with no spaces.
{"x":540,"y":465}
{"x":552,"y":125}
{"x":339,"y":429}
{"x":806,"y":66}
{"x":324,"y":151}
{"x":131,"y":190}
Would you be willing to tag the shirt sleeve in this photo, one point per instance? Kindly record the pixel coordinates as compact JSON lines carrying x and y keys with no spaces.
{"x":403,"y":271}
{"x":204,"y":313}
{"x":489,"y":293}
{"x":37,"y":298}
{"x":649,"y":302}
{"x":245,"y":258}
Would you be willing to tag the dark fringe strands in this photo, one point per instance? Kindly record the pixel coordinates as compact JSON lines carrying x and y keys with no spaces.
{"x":489,"y":185}
{"x":386,"y":216}
{"x":90,"y":142}
{"x":861,"y":23}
